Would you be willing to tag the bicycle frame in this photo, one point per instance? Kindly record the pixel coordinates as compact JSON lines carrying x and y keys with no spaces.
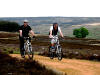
{"x":57,"y":49}
{"x":28,"y":48}
{"x":57,"y":42}
{"x":27,"y":44}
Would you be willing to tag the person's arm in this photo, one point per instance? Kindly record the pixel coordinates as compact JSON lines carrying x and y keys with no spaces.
{"x":32,"y":33}
{"x":20,"y":33}
{"x":50,"y":35}
{"x":61,"y":32}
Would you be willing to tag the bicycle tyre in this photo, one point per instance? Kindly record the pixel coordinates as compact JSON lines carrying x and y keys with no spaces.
{"x":59,"y":53}
{"x":51,"y":53}
{"x":30,"y":52}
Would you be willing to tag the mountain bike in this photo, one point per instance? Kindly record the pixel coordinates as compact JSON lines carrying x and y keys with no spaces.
{"x":28,"y":48}
{"x":57,"y":49}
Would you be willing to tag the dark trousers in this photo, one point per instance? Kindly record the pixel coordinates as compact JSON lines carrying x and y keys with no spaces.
{"x":21,"y":45}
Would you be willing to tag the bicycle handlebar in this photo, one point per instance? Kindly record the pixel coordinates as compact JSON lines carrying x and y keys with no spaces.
{"x":26,"y":38}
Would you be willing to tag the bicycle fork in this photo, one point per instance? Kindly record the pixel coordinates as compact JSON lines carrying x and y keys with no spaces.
{"x":58,"y":50}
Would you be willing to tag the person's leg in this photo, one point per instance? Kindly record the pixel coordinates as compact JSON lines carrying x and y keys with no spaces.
{"x":21,"y":46}
{"x":52,"y":43}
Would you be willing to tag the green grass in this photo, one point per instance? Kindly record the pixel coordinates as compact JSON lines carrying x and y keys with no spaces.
{"x":9,"y":50}
{"x":16,"y":52}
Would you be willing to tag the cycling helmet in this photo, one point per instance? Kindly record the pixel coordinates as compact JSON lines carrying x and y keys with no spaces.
{"x":25,"y":20}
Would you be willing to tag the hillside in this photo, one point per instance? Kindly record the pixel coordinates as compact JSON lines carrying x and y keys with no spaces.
{"x":41,"y":24}
{"x":49,"y":20}
{"x":94,"y":30}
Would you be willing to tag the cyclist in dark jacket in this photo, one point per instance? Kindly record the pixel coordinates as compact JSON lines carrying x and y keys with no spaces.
{"x":24,"y":31}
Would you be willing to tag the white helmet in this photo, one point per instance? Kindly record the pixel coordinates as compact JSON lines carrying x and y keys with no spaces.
{"x":25,"y":20}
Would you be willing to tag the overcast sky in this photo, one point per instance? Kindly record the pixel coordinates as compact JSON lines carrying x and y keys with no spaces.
{"x":45,"y":8}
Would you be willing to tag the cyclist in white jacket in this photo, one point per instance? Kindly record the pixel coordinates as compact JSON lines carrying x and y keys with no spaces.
{"x":53,"y":32}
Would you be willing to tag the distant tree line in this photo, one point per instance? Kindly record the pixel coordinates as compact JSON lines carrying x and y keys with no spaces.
{"x":9,"y":26}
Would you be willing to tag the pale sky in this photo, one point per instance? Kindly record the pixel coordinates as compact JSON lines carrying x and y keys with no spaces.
{"x":45,"y":8}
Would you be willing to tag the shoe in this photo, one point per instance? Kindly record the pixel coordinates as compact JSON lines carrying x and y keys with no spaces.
{"x":52,"y":47}
{"x":23,"y":56}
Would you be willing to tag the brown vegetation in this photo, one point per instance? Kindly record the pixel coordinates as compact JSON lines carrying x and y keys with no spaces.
{"x":7,"y":35}
{"x":14,"y":66}
{"x":72,"y":47}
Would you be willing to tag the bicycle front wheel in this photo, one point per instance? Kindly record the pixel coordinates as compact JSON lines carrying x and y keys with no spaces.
{"x":30,"y":52}
{"x":59,"y":53}
{"x":51,"y":53}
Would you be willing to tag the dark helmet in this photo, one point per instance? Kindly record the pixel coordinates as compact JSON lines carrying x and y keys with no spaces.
{"x":55,"y":24}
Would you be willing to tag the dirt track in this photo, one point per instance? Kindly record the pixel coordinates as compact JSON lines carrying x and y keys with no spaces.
{"x":69,"y":66}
